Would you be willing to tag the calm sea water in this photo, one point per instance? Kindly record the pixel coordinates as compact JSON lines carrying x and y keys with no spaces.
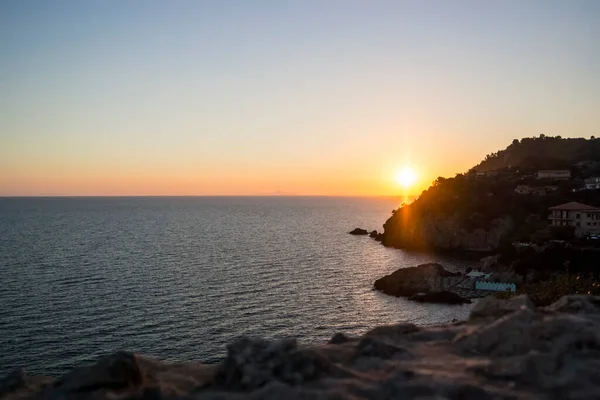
{"x":179,"y":278}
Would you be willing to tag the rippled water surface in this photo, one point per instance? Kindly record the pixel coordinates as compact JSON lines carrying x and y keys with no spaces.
{"x":178,"y":278}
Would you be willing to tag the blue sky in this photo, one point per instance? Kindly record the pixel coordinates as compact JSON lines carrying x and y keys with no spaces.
{"x":309,"y":97}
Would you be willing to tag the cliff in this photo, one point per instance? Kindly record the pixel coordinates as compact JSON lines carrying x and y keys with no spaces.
{"x":460,"y":213}
{"x":439,"y":232}
{"x":508,"y":349}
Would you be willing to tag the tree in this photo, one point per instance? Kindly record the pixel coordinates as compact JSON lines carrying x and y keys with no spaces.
{"x":439,"y":181}
{"x":562,"y":232}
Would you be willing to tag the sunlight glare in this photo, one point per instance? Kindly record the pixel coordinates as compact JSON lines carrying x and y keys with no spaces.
{"x":406,"y":177}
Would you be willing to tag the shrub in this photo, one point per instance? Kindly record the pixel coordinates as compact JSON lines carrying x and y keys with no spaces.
{"x":547,"y":292}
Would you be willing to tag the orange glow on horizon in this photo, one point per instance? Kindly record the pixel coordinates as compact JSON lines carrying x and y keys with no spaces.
{"x":96,"y":178}
{"x":137,"y":183}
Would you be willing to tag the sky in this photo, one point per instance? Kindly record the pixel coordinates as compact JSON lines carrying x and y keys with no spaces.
{"x":313,"y":97}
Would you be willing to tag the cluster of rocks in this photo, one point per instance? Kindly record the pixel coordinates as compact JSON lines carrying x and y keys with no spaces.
{"x":507,"y":349}
{"x":373,"y":234}
{"x":376,"y":235}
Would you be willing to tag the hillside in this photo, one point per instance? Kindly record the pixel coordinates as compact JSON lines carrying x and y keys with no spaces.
{"x":543,"y":152}
{"x":470,"y":212}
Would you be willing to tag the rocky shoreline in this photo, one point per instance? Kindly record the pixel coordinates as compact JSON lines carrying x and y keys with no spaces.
{"x":429,"y":283}
{"x":507,"y":349}
{"x":426,"y":283}
{"x":471,"y":254}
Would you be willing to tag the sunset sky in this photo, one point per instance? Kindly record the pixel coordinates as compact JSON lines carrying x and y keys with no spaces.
{"x":295,"y":97}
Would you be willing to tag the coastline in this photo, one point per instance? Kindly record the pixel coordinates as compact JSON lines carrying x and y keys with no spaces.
{"x":457,"y":253}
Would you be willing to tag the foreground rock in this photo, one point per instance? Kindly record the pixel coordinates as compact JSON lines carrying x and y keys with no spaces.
{"x":424,"y":278}
{"x":507,"y":349}
{"x":359,"y":231}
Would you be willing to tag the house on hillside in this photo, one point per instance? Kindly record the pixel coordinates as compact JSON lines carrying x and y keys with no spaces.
{"x":585,"y":219}
{"x":478,"y":274}
{"x":535,"y":190}
{"x":488,"y":174}
{"x":592,"y":183}
{"x":496,"y":286}
{"x":555,"y":174}
{"x":587,"y":164}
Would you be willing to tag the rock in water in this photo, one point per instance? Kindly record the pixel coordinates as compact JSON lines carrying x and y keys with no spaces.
{"x":359,"y":231}
{"x":376,"y":235}
{"x":408,"y":282}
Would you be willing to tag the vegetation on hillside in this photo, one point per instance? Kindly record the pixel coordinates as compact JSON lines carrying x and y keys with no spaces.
{"x":542,"y":262}
{"x":543,"y":152}
{"x":546,"y":292}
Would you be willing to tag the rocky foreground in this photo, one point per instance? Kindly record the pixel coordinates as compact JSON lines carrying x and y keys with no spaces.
{"x":507,"y":349}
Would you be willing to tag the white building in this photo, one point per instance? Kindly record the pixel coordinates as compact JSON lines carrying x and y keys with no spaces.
{"x":592,"y":183}
{"x":496,"y":286}
{"x":523,"y":189}
{"x":555,"y":174}
{"x":587,"y":164}
{"x":478,"y":274}
{"x":536,"y":190}
{"x":488,"y":174}
{"x":585,"y":219}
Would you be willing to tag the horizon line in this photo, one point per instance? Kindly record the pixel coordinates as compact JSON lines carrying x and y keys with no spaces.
{"x":195,"y":195}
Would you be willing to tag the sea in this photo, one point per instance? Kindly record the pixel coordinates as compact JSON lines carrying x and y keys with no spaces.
{"x":178,"y":278}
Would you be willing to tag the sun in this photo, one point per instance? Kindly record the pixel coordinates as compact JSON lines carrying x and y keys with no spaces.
{"x":406,"y":177}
